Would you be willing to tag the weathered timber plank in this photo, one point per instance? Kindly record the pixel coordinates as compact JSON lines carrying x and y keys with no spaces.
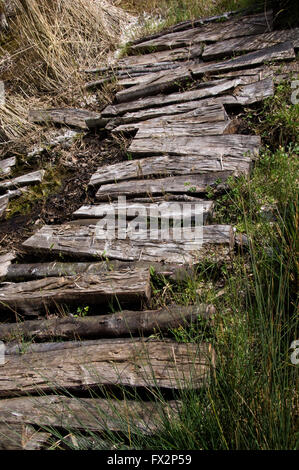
{"x":6,"y":166}
{"x":127,"y":362}
{"x":129,"y":287}
{"x":183,"y":53}
{"x":250,"y":43}
{"x":4,"y":200}
{"x":189,"y":184}
{"x":254,"y":92}
{"x":183,"y":25}
{"x":178,"y":125}
{"x":192,"y":111}
{"x":244,"y":26}
{"x":19,"y":436}
{"x":89,"y":241}
{"x":166,"y":166}
{"x":120,"y":324}
{"x":68,"y":116}
{"x":154,"y":83}
{"x":205,"y":90}
{"x":85,"y":414}
{"x":30,"y":178}
{"x":130,"y":210}
{"x":283,"y":51}
{"x":208,"y":146}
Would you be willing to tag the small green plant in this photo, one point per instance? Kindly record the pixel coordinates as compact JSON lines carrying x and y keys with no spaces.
{"x":82,"y":311}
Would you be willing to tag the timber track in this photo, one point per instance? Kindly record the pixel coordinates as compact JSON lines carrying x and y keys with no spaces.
{"x":177,"y":105}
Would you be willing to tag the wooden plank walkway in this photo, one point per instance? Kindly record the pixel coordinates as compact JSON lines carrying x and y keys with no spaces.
{"x":177,"y":97}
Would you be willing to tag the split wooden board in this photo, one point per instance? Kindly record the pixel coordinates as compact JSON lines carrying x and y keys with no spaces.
{"x":250,"y":43}
{"x":128,"y":287}
{"x":85,"y":414}
{"x":244,"y":26}
{"x":208,"y":146}
{"x":124,"y":362}
{"x":167,"y":166}
{"x":89,"y":240}
{"x":191,"y":184}
{"x":68,"y":116}
{"x":6,"y":166}
{"x":30,"y":178}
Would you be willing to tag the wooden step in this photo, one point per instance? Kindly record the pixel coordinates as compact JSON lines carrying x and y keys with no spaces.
{"x":32,"y":297}
{"x":94,"y":415}
{"x":81,"y":118}
{"x":193,"y":112}
{"x":6,"y":166}
{"x":167,"y":166}
{"x":204,"y":90}
{"x":192,"y":184}
{"x":125,"y":323}
{"x":123,"y":362}
{"x":34,"y":177}
{"x":208,"y":146}
{"x":250,"y":43}
{"x":130,"y":210}
{"x":283,"y":51}
{"x":85,"y":240}
{"x":244,"y":26}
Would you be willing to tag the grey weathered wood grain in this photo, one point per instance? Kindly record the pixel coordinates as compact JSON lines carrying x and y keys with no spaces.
{"x":4,"y":200}
{"x":166,"y":166}
{"x":205,"y":90}
{"x":30,"y":178}
{"x":18,"y":436}
{"x":125,"y":323}
{"x":178,"y":125}
{"x":85,"y":414}
{"x":86,"y":240}
{"x":244,"y":26}
{"x":6,"y":166}
{"x":5,"y":263}
{"x":68,"y":116}
{"x":283,"y":51}
{"x":129,"y":287}
{"x":208,"y":146}
{"x":192,"y":111}
{"x":172,"y":209}
{"x":154,"y":83}
{"x":127,"y":362}
{"x":250,"y":43}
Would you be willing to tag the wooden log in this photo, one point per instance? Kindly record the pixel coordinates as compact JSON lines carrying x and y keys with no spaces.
{"x":192,"y":111}
{"x":30,"y":272}
{"x":208,"y":146}
{"x":127,"y":362}
{"x":89,"y":241}
{"x":125,"y":323}
{"x":20,"y":436}
{"x":93,"y":415}
{"x":30,"y":178}
{"x":6,"y":166}
{"x":191,"y":184}
{"x":68,"y":116}
{"x":32,"y":297}
{"x":166,"y":166}
{"x":177,"y":126}
{"x":283,"y":51}
{"x":173,"y":210}
{"x":250,"y":43}
{"x":244,"y":26}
